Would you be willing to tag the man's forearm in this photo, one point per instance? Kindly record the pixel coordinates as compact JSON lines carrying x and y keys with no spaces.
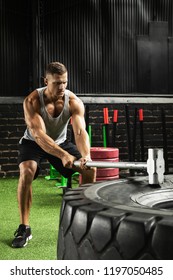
{"x":47,"y":144}
{"x":82,"y":143}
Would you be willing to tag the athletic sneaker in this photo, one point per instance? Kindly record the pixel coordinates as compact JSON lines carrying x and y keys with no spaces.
{"x":22,"y":235}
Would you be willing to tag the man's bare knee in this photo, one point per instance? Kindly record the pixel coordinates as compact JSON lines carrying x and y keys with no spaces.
{"x":27,"y":171}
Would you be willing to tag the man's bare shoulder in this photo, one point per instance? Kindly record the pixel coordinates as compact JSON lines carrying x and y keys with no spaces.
{"x":75,"y":104}
{"x":32,"y":100}
{"x":74,"y":99}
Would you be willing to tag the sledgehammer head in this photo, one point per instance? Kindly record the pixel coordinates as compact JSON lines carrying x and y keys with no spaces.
{"x":155,"y":166}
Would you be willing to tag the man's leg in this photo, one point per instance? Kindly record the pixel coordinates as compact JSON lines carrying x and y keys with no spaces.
{"x":89,"y":175}
{"x":24,"y":194}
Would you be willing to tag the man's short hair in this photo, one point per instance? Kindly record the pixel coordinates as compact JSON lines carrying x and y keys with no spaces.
{"x":55,"y":68}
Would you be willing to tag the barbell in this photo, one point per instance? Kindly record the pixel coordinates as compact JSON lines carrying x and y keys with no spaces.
{"x":155,"y":165}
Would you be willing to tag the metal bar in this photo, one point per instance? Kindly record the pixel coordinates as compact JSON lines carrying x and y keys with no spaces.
{"x":165,"y":144}
{"x":134,"y":134}
{"x":127,"y":115}
{"x":142,"y":140}
{"x":107,"y":164}
{"x":89,"y":98}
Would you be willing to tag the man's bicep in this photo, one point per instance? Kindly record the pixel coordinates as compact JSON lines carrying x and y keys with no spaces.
{"x":77,"y":114}
{"x":32,"y":118}
{"x":78,"y":123}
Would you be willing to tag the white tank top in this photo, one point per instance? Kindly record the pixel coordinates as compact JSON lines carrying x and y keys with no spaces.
{"x":56,"y":128}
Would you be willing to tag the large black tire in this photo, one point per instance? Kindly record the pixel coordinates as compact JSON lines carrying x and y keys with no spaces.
{"x":106,"y":221}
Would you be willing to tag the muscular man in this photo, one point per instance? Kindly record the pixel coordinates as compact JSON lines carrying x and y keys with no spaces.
{"x":47,"y":112}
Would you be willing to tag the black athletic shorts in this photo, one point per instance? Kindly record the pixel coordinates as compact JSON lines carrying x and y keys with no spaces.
{"x":29,"y":150}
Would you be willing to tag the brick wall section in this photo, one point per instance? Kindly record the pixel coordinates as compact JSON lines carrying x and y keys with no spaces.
{"x":12,"y":126}
{"x":152,"y":128}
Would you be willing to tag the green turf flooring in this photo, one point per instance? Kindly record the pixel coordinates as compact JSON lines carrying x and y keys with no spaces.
{"x":44,"y":220}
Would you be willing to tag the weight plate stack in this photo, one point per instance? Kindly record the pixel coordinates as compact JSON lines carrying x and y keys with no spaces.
{"x":105,"y":154}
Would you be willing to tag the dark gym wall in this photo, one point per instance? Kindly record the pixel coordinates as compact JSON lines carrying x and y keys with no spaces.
{"x":97,"y":40}
{"x":16,"y":47}
{"x":102,"y":42}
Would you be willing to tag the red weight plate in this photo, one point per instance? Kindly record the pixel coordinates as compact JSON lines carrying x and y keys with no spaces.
{"x":106,"y":159}
{"x":107,"y":172}
{"x":107,"y":178}
{"x":101,"y":178}
{"x":103,"y":152}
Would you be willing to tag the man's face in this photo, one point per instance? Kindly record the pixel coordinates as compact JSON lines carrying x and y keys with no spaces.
{"x":56,"y":83}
